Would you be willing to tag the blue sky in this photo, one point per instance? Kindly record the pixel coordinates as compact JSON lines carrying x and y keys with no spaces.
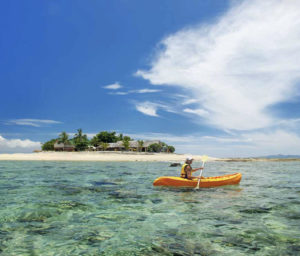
{"x":209,"y":77}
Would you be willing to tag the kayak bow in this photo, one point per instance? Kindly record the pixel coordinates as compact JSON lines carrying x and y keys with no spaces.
{"x":229,"y":179}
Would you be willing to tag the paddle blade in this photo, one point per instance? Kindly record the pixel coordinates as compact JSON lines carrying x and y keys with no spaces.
{"x":204,"y":158}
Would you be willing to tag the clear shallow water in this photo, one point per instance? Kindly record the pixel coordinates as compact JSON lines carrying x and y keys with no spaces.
{"x":87,"y":208}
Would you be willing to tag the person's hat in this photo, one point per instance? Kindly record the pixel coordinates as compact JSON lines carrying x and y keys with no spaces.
{"x":189,"y":158}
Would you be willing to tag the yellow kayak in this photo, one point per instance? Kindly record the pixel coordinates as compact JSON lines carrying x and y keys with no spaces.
{"x":229,"y":179}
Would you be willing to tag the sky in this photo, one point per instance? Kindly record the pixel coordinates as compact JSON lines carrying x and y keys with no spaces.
{"x":213,"y":77}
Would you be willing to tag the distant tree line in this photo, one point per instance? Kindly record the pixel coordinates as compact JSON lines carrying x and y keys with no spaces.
{"x":163,"y":147}
{"x":101,"y":140}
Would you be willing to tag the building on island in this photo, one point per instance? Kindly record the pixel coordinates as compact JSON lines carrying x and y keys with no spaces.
{"x":59,"y":146}
{"x":115,"y":146}
{"x":133,"y":145}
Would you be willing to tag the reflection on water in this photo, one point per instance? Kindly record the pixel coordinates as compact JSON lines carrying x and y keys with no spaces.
{"x":65,"y":208}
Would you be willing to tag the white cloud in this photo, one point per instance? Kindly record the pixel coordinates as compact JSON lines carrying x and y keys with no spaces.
{"x":18,"y":145}
{"x":199,"y":112}
{"x":114,"y":86}
{"x":119,"y":93}
{"x":147,"y":108}
{"x":146,"y":91}
{"x":274,"y":142}
{"x":31,"y":122}
{"x":151,"y":108}
{"x":189,"y":101}
{"x":141,"y":91}
{"x":237,"y":67}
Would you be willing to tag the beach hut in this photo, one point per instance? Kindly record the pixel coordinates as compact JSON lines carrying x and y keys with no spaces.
{"x":119,"y":146}
{"x":116,"y":146}
{"x":133,"y":145}
{"x":59,"y":146}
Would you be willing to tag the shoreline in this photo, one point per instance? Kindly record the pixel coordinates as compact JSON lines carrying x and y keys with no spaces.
{"x":258,"y":159}
{"x":108,"y":156}
{"x":101,"y":156}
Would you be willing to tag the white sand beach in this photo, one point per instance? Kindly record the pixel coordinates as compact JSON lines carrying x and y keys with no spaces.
{"x":99,"y":156}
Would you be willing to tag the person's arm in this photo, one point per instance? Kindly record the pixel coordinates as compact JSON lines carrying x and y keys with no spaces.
{"x":194,"y":170}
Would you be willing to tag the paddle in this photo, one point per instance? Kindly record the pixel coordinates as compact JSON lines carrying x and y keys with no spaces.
{"x":204,"y":159}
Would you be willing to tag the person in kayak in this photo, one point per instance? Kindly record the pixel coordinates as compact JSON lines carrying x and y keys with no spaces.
{"x":187,"y":170}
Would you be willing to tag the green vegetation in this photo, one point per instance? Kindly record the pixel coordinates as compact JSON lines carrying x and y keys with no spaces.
{"x":171,"y":149}
{"x":104,"y":145}
{"x":141,"y":144}
{"x":94,"y":142}
{"x":49,"y":145}
{"x":126,"y":143}
{"x":63,"y":138}
{"x":102,"y":140}
{"x":155,"y":148}
{"x":162,"y":147}
{"x":81,"y":141}
{"x":107,"y":137}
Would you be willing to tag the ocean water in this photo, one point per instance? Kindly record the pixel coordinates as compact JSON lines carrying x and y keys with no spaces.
{"x":98,"y":208}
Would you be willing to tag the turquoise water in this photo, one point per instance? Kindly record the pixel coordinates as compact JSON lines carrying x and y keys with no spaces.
{"x":87,"y":208}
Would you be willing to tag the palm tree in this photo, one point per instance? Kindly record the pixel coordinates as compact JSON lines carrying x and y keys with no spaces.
{"x":79,"y":134}
{"x":94,"y":141}
{"x":141,"y":144}
{"x":81,"y":141}
{"x":104,"y":145}
{"x":126,"y":143}
{"x":63,"y":138}
{"x":79,"y":137}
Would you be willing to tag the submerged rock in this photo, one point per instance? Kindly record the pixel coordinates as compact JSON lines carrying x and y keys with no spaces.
{"x":257,"y":210}
{"x":156,"y":201}
{"x":124,"y":195}
{"x":102,"y":183}
{"x":40,"y":229}
{"x":126,"y":173}
{"x":37,"y":215}
{"x":178,"y":249}
{"x":141,"y":218}
{"x":175,"y":164}
{"x":72,"y":205}
{"x":68,"y":190}
{"x":93,"y":237}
